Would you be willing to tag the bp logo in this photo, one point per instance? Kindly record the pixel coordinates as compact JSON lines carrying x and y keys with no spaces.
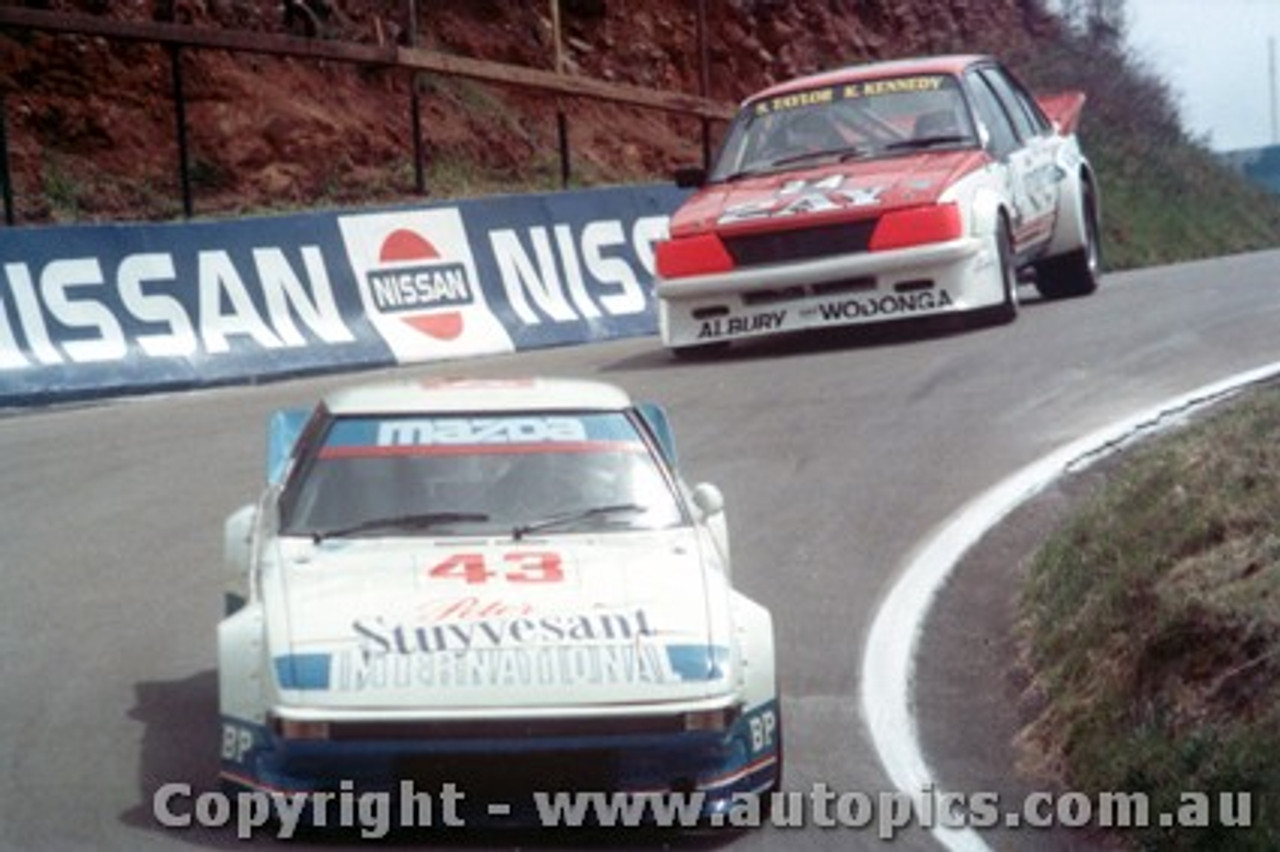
{"x":413,"y":281}
{"x":418,"y":284}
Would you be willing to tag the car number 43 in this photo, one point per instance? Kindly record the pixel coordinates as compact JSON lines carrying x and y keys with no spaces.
{"x":519,"y":566}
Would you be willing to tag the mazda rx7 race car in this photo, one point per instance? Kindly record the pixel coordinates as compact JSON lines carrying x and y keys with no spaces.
{"x":880,"y":192}
{"x":500,"y":585}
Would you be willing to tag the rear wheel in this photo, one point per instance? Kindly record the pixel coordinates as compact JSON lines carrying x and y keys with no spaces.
{"x":1075,"y":273}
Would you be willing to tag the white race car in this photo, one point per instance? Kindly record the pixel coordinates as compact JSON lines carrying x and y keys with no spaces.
{"x":500,"y":585}
{"x":880,"y":192}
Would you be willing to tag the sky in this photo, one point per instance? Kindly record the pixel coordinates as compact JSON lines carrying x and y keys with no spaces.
{"x":1214,"y":55}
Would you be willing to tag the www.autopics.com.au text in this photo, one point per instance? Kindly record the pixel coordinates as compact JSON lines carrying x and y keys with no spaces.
{"x":376,"y":813}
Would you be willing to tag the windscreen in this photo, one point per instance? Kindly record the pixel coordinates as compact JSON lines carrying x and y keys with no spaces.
{"x":465,"y":475}
{"x":861,"y":119}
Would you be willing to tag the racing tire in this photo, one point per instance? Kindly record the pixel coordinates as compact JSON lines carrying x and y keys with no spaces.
{"x":1075,"y":273}
{"x":776,"y":787}
{"x":719,"y":828}
{"x":1007,"y":311}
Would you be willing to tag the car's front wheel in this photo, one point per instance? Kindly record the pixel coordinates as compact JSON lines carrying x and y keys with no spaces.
{"x":1007,"y":310}
{"x":1075,"y":273}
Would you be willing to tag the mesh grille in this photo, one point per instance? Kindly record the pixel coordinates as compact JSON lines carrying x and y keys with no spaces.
{"x":505,"y":728}
{"x":801,"y":244}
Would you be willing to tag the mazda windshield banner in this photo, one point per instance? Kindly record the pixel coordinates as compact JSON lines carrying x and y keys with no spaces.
{"x":114,"y":309}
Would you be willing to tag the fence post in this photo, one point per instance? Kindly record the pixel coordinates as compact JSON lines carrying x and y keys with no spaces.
{"x":415,"y":103}
{"x":5,"y":176}
{"x":704,"y":80}
{"x":180,"y":114}
{"x":562,"y":129}
{"x":562,"y":121}
{"x":415,"y":107}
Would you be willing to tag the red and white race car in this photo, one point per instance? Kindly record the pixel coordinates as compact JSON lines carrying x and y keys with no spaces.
{"x":881,"y":192}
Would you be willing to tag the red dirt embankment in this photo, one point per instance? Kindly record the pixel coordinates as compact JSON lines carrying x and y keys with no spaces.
{"x":91,"y":122}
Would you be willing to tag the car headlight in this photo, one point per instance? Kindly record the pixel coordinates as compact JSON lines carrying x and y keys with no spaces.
{"x":700,"y":254}
{"x":916,"y":226}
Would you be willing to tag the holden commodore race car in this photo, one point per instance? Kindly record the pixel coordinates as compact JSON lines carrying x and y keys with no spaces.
{"x":504,"y":586}
{"x":880,"y":192}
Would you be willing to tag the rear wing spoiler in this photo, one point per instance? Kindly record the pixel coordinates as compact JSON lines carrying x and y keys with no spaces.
{"x":1063,"y":109}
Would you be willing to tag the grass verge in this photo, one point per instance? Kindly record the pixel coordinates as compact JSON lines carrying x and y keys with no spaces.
{"x":1171,"y":204}
{"x":1151,"y":625}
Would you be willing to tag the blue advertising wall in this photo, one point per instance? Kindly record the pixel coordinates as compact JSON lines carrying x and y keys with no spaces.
{"x":105,"y":310}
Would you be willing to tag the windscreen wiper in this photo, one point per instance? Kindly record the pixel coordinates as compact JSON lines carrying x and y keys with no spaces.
{"x":743,"y":174}
{"x":418,"y":521}
{"x":570,"y":517}
{"x":928,"y":141}
{"x":845,"y":152}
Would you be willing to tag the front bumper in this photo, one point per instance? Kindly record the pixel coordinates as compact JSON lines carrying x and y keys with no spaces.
{"x":497,"y":776}
{"x":864,"y":287}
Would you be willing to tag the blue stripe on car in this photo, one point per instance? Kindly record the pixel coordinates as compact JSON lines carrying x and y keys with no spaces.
{"x":698,"y":662}
{"x":303,"y":671}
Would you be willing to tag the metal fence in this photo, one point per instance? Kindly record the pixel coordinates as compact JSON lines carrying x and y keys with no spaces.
{"x":406,"y":58}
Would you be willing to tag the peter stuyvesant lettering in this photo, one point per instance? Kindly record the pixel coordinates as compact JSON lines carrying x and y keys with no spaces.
{"x":551,"y":650}
{"x":610,"y":664}
{"x":378,"y":637}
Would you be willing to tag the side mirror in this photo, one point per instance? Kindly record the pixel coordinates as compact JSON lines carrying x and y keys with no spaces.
{"x":708,"y":499}
{"x":237,"y":541}
{"x":691,"y":177}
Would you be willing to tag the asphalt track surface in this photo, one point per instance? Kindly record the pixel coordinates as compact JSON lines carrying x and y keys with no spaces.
{"x":837,"y":453}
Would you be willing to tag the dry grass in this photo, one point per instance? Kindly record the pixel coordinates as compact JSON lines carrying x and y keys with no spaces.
{"x":1151,"y":623}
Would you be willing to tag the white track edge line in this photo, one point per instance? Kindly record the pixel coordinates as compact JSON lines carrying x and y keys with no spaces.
{"x":888,"y":663}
